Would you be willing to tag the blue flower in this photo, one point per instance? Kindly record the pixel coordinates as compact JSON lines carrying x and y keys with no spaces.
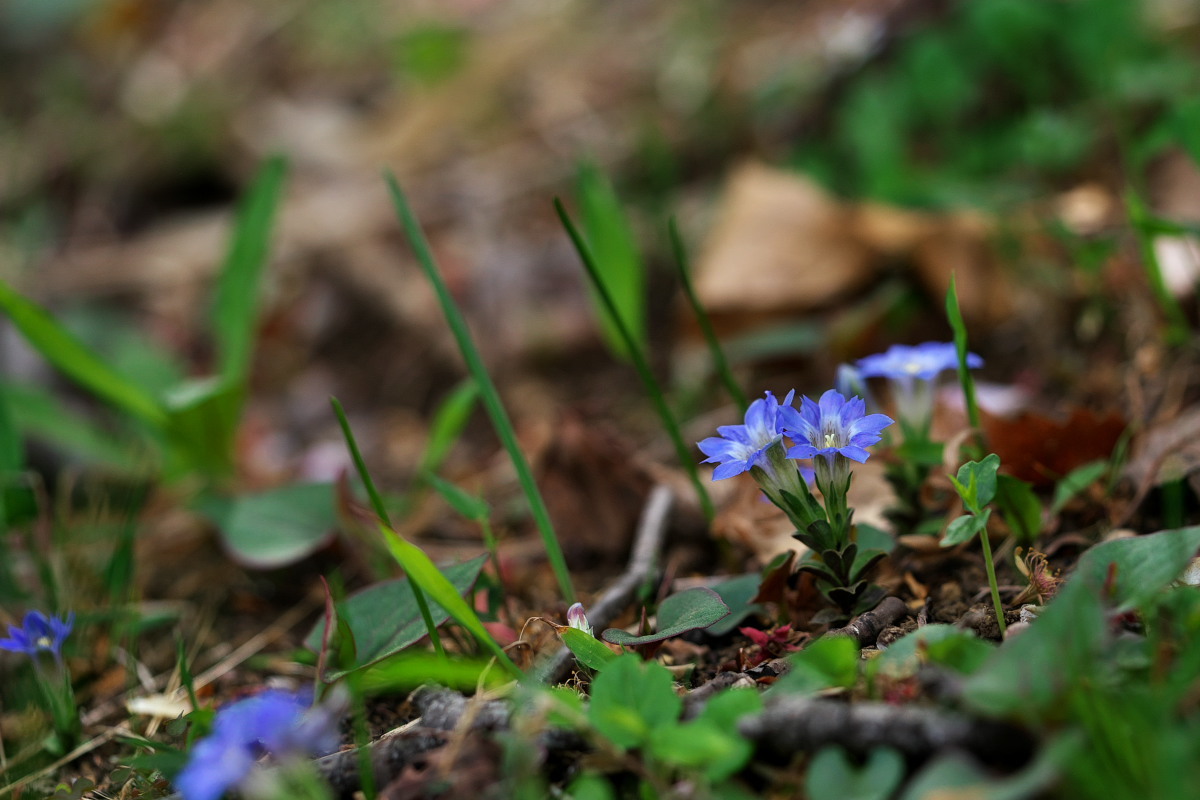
{"x":911,"y":371}
{"x":280,"y":723}
{"x":39,"y":633}
{"x":833,"y":427}
{"x":740,"y":447}
{"x":923,"y":361}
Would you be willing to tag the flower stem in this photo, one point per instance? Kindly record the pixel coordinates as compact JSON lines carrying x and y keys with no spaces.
{"x":991,"y":573}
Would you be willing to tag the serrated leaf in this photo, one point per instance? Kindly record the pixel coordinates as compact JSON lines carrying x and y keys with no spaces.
{"x":384,"y":618}
{"x":690,"y":610}
{"x":630,"y":698}
{"x":832,"y":776}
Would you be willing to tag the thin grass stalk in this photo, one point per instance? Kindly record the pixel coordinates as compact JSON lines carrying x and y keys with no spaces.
{"x":487,"y":389}
{"x":639,"y":362}
{"x":954,"y":315}
{"x":381,"y":512}
{"x":720,"y":364}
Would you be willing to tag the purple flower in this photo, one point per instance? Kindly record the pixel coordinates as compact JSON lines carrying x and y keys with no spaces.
{"x":277,"y":722}
{"x":834,"y":426}
{"x":39,"y":633}
{"x":740,"y":447}
{"x":923,"y":361}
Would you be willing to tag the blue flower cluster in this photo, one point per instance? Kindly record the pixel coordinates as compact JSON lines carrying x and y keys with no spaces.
{"x":830,"y":428}
{"x":277,"y":722}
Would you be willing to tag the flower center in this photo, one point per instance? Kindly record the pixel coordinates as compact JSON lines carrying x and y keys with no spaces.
{"x":912,"y":367}
{"x":44,"y":642}
{"x":831,"y":440}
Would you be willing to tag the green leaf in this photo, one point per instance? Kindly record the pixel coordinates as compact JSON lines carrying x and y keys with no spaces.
{"x":404,"y":672}
{"x":832,"y":776}
{"x":423,"y":572}
{"x":384,"y":618}
{"x":737,"y":594}
{"x":831,"y":661}
{"x":721,"y":715}
{"x":976,"y":482}
{"x":963,"y":529}
{"x":78,"y":362}
{"x":276,"y":527}
{"x":1075,"y":482}
{"x":202,"y":423}
{"x":472,"y":507}
{"x":37,"y":412}
{"x":1144,"y":565}
{"x":588,"y":650}
{"x":448,"y":423}
{"x":12,"y":449}
{"x":631,"y":698}
{"x":1032,"y":673}
{"x":689,"y":610}
{"x":620,"y":264}
{"x":710,"y":742}
{"x":235,"y":307}
{"x":1020,"y":507}
{"x":960,"y":650}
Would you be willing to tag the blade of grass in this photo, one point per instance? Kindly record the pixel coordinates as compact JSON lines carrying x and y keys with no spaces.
{"x":1144,"y":227}
{"x":448,"y":423}
{"x":623,"y":275}
{"x":487,"y":390}
{"x":235,"y":307}
{"x":954,"y":315}
{"x":639,"y":363}
{"x":720,"y":364}
{"x":423,"y":572}
{"x":381,"y":512}
{"x":76,"y":361}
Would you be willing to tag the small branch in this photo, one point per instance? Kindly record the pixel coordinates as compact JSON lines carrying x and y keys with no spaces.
{"x":867,"y":627}
{"x":643,"y":562}
{"x":791,"y":724}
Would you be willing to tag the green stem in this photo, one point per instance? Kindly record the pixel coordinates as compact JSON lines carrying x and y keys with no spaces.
{"x":639,"y":361}
{"x":487,"y":389}
{"x":683,"y":270}
{"x":381,"y":512}
{"x":991,"y":573}
{"x":954,"y":315}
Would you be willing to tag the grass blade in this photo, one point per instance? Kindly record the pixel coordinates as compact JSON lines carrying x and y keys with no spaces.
{"x":381,"y":512}
{"x":448,"y":423}
{"x":487,"y":390}
{"x":1145,"y":228}
{"x":424,"y":573}
{"x":720,"y":364}
{"x":235,"y":308}
{"x":954,"y":315}
{"x":76,"y":361}
{"x":622,"y":272}
{"x":639,"y":362}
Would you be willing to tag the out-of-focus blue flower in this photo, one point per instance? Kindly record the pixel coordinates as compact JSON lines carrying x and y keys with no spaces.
{"x":923,"y":361}
{"x":39,"y":633}
{"x":740,"y":447}
{"x":834,"y":426}
{"x":277,"y":722}
{"x":912,"y":371}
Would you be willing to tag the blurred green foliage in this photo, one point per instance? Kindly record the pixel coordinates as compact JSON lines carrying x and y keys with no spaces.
{"x":1001,"y":99}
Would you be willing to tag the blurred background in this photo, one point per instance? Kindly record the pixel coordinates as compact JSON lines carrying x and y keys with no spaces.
{"x":829,"y":164}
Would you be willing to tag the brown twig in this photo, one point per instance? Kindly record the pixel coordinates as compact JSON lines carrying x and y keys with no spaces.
{"x":643,"y":561}
{"x":866,"y":628}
